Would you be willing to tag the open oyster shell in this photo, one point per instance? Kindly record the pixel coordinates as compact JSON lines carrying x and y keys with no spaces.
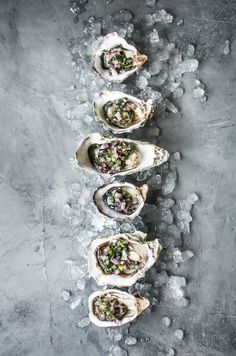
{"x":120,"y":201}
{"x":120,"y":112}
{"x":135,"y":306}
{"x":115,"y":60}
{"x":141,"y":252}
{"x":142,"y":156}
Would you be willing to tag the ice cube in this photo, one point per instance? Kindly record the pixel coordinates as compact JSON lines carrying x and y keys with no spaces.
{"x":166,"y":321}
{"x":148,"y":93}
{"x":125,"y":15}
{"x":129,"y":27}
{"x":165,"y":203}
{"x":176,"y":156}
{"x":188,"y":65}
{"x":161,"y":78}
{"x":184,"y":215}
{"x":76,"y":269}
{"x":173,"y":231}
{"x":146,"y":74}
{"x":172,"y":266}
{"x":117,"y":351}
{"x":130,"y":340}
{"x":178,"y":93}
{"x":68,"y":114}
{"x":77,"y":7}
{"x":171,"y":107}
{"x":143,"y":289}
{"x":88,"y":119}
{"x":175,"y":284}
{"x":117,"y":337}
{"x":93,"y":28}
{"x":155,"y":68}
{"x":142,"y":176}
{"x":190,"y":50}
{"x":181,"y":302}
{"x":75,"y":303}
{"x":198,"y":92}
{"x":161,"y":227}
{"x":150,"y":2}
{"x":149,"y":20}
{"x":167,"y":216}
{"x":170,"y":352}
{"x":168,"y":187}
{"x":177,"y":255}
{"x":82,"y":2}
{"x":141,"y":82}
{"x":82,"y":97}
{"x":80,"y":283}
{"x":79,"y":111}
{"x":203,"y":99}
{"x":66,"y":210}
{"x":122,"y":32}
{"x":179,"y":334}
{"x":161,"y":278}
{"x":154,"y":301}
{"x":163,"y":17}
{"x":183,"y":227}
{"x":83,"y":323}
{"x":98,"y":222}
{"x":154,"y":37}
{"x":66,"y":295}
{"x":180,"y":22}
{"x":154,"y":182}
{"x":186,"y":255}
{"x":192,"y":198}
{"x":226,"y":48}
{"x":71,"y":87}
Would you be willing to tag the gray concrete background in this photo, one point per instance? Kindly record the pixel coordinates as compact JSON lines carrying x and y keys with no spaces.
{"x":35,"y":145}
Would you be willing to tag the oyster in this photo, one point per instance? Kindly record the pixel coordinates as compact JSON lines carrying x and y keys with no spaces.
{"x":120,"y":260}
{"x":115,"y":60}
{"x":118,"y":156}
{"x":113,"y":307}
{"x":120,"y":201}
{"x":120,"y":112}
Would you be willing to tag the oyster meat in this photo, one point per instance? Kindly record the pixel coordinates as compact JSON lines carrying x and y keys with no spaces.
{"x":113,"y":307}
{"x":115,"y":60}
{"x":120,"y":201}
{"x":120,"y":260}
{"x":118,"y":156}
{"x":120,"y":112}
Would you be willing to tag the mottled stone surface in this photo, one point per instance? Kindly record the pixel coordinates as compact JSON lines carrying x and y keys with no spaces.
{"x":35,"y":145}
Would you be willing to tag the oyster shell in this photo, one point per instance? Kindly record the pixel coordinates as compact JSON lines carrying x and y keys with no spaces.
{"x":120,"y":260}
{"x":120,"y":201}
{"x":120,"y":112}
{"x":129,"y":307}
{"x":115,"y":60}
{"x":118,"y":156}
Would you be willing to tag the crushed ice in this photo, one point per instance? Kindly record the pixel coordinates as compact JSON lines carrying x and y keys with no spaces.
{"x":226,"y":48}
{"x":165,"y":217}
